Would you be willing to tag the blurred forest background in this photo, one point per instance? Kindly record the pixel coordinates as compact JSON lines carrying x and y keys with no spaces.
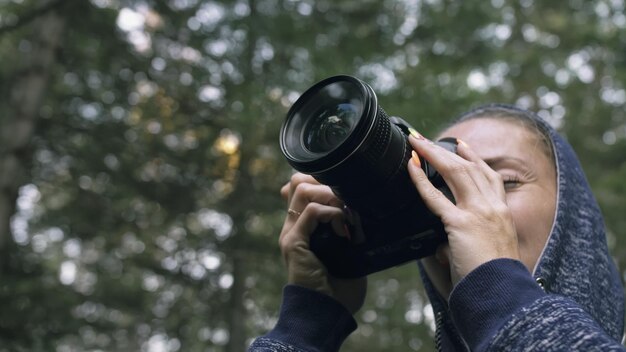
{"x":139,"y":159}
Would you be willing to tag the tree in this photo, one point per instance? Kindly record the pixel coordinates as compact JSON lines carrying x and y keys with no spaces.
{"x":146,"y":165}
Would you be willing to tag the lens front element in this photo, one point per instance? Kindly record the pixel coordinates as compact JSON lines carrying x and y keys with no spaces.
{"x":328,"y":123}
{"x":330,"y":127}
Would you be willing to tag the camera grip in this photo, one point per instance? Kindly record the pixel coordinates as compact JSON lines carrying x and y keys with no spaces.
{"x":336,"y":253}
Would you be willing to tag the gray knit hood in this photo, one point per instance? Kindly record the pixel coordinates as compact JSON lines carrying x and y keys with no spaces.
{"x":575,"y":261}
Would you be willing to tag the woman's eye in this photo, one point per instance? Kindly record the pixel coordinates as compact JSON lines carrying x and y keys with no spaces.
{"x":511,"y":182}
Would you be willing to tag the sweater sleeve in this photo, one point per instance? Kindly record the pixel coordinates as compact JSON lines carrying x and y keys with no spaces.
{"x":498,"y":306}
{"x":308,"y":321}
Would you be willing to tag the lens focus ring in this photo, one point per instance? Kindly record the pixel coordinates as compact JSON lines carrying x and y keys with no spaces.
{"x":380,"y":139}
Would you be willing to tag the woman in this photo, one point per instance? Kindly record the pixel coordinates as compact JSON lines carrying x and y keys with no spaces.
{"x":526,"y":266}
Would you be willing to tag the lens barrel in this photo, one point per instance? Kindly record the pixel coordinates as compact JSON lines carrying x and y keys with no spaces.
{"x":337,"y":133}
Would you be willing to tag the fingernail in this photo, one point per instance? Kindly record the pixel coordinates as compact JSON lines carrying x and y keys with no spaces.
{"x":415,"y":134}
{"x":460,"y":142}
{"x":415,"y":158}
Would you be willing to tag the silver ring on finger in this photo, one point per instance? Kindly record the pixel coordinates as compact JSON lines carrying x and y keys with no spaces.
{"x":293,"y":212}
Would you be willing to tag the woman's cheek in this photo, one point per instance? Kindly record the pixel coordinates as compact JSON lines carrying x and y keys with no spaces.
{"x":532,"y":225}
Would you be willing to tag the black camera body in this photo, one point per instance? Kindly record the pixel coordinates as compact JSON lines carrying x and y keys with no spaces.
{"x":337,"y":133}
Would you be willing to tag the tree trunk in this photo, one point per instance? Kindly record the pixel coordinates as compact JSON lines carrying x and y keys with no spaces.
{"x":26,"y":90}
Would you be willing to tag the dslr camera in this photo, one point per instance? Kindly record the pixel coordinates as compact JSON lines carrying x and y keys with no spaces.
{"x":337,"y":132}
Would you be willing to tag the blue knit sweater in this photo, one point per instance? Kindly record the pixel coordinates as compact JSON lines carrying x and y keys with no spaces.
{"x":578,"y":304}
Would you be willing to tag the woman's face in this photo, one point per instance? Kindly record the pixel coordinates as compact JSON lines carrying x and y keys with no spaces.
{"x":529,"y":176}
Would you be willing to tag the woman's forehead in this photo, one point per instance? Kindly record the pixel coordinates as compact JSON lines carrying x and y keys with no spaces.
{"x":494,"y":137}
{"x":486,"y":129}
{"x":505,"y":144}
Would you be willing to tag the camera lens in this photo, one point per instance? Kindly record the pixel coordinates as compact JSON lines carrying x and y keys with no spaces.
{"x":330,"y":127}
{"x":322,"y":120}
{"x":337,"y":133}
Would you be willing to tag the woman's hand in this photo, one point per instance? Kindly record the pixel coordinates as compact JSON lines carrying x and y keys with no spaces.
{"x":479,"y":226}
{"x":310,"y":203}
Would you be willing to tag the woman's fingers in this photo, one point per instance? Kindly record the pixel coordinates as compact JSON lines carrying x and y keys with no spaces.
{"x":436,"y":201}
{"x":493,"y":178}
{"x":289,"y":188}
{"x":312,"y":215}
{"x":454,"y":169}
{"x":467,"y":176}
{"x":307,"y":193}
{"x":305,"y":197}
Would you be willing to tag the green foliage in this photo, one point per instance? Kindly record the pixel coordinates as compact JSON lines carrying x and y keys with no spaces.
{"x":152,"y":205}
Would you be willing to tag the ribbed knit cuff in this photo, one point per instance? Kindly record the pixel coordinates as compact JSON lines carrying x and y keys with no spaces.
{"x":487,"y":298}
{"x":311,"y":320}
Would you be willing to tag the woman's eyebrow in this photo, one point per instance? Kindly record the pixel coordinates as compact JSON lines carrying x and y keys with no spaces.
{"x":502,"y":161}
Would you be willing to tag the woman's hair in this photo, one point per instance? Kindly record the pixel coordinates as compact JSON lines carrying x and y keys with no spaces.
{"x":513,"y":114}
